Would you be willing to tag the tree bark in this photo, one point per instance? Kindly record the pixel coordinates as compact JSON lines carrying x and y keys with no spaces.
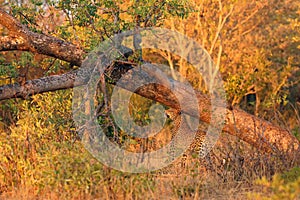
{"x":255,"y":131}
{"x":21,"y":38}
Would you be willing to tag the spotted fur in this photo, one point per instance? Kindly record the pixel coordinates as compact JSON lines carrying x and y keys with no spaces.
{"x":198,"y":146}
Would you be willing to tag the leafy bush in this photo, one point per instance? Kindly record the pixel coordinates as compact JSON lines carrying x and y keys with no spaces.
{"x":282,"y":186}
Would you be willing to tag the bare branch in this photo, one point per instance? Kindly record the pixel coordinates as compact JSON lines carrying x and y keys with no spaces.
{"x":25,"y":40}
{"x":10,"y":43}
{"x":37,"y":86}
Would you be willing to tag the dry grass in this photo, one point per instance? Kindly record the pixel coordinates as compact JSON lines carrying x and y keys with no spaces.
{"x":54,"y":166}
{"x":216,"y":177}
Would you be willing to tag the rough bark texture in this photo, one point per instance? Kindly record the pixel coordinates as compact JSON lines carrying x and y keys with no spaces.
{"x":21,"y":38}
{"x":45,"y":84}
{"x":255,"y":131}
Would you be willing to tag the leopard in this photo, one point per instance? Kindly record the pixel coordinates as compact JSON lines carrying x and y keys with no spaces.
{"x":199,"y":146}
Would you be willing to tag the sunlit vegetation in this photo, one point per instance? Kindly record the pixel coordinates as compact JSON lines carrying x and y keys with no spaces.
{"x":256,"y":46}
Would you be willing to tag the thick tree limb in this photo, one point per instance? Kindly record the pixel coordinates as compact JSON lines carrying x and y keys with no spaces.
{"x":37,"y":86}
{"x":25,"y":40}
{"x":249,"y":128}
{"x":9,"y":43}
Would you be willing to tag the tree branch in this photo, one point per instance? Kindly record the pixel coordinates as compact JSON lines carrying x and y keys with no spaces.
{"x":25,"y":40}
{"x":253,"y":130}
{"x":10,"y":43}
{"x":37,"y":86}
{"x":249,"y":128}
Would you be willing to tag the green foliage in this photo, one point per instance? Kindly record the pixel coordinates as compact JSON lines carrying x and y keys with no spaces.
{"x":26,"y":148}
{"x":292,"y":175}
{"x":285,"y":186}
{"x":42,"y":150}
{"x":102,"y":19}
{"x":296,"y":132}
{"x":7,"y":71}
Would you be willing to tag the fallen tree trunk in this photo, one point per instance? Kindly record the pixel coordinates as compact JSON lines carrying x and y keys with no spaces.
{"x":255,"y":131}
